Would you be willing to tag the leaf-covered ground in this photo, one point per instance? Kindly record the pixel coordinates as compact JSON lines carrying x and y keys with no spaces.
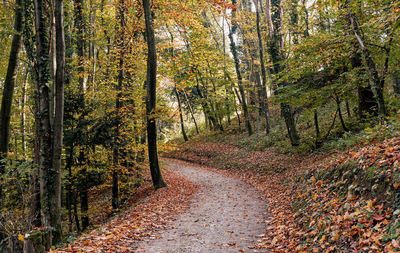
{"x":225,"y":215}
{"x":143,"y":220}
{"x":318,"y":202}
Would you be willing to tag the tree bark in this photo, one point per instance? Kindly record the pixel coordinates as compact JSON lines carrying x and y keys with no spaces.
{"x":367,"y":104}
{"x":377,"y":81}
{"x":340,"y":114}
{"x":191,"y":112}
{"x":238,"y":73}
{"x":23,"y":116}
{"x":275,"y":48}
{"x":58,"y":121}
{"x":185,"y":138}
{"x":80,"y":47}
{"x":151,"y":84}
{"x":264,"y":99}
{"x":8,"y":90}
{"x":318,"y":141}
{"x":45,"y":135}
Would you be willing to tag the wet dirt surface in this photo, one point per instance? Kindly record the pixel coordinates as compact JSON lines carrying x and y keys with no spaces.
{"x":226,"y":215}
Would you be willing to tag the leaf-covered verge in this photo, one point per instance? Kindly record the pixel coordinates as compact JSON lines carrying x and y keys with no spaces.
{"x":325,"y":202}
{"x":146,"y":215}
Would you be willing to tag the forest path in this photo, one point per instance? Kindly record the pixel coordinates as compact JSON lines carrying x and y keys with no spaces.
{"x":225,"y":215}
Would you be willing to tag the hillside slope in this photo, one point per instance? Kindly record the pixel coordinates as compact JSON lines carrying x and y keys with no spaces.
{"x":318,"y":202}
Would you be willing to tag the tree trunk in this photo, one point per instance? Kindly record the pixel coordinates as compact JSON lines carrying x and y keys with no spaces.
{"x":191,"y":112}
{"x":367,"y":104}
{"x":58,"y":122}
{"x":275,"y":48}
{"x":264,"y":99}
{"x":238,"y":73}
{"x":180,"y":115}
{"x":151,"y":84}
{"x":340,"y":114}
{"x":47,"y":175}
{"x":206,"y":107}
{"x":8,"y":89}
{"x":185,"y":138}
{"x":68,"y":185}
{"x":23,"y":116}
{"x":318,"y":141}
{"x":377,"y":81}
{"x":80,"y":46}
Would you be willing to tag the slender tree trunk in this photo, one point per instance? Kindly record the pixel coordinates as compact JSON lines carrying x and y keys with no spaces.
{"x":180,"y":114}
{"x":58,"y":122}
{"x":78,"y":227}
{"x":348,"y":108}
{"x":318,"y":141}
{"x":80,"y":50}
{"x":23,"y":116}
{"x":191,"y":112}
{"x":276,"y":53}
{"x":367,"y":104}
{"x":47,"y":175}
{"x":53,"y":60}
{"x":206,"y":106}
{"x":69,"y":183}
{"x":238,"y":73}
{"x":8,"y":89}
{"x":151,"y":84}
{"x":264,"y":99}
{"x":83,"y":191}
{"x":185,"y":138}
{"x":118,"y":103}
{"x":338,"y":102}
{"x":377,"y":81}
{"x":29,"y":41}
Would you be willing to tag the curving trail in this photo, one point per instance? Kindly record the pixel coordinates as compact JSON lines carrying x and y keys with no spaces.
{"x":226,"y":215}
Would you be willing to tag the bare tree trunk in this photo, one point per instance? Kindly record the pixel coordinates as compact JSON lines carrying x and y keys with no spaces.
{"x":348,"y":108}
{"x":8,"y":90}
{"x":180,"y":115}
{"x":68,"y":185}
{"x":238,"y":73}
{"x":185,"y":138}
{"x":191,"y":112}
{"x":367,"y":104}
{"x":151,"y":84}
{"x":276,"y":53}
{"x":58,"y":122}
{"x":53,"y":61}
{"x":45,"y":134}
{"x":264,"y":99}
{"x":377,"y":81}
{"x":23,"y":115}
{"x":80,"y":46}
{"x":340,"y":113}
{"x":318,"y":141}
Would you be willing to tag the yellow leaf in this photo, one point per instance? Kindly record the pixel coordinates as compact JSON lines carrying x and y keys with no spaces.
{"x":21,"y":237}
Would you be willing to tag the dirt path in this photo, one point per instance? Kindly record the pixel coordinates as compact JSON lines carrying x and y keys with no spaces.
{"x":226,"y":215}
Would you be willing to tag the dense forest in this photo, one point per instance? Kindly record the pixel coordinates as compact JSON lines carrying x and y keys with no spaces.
{"x":94,"y":90}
